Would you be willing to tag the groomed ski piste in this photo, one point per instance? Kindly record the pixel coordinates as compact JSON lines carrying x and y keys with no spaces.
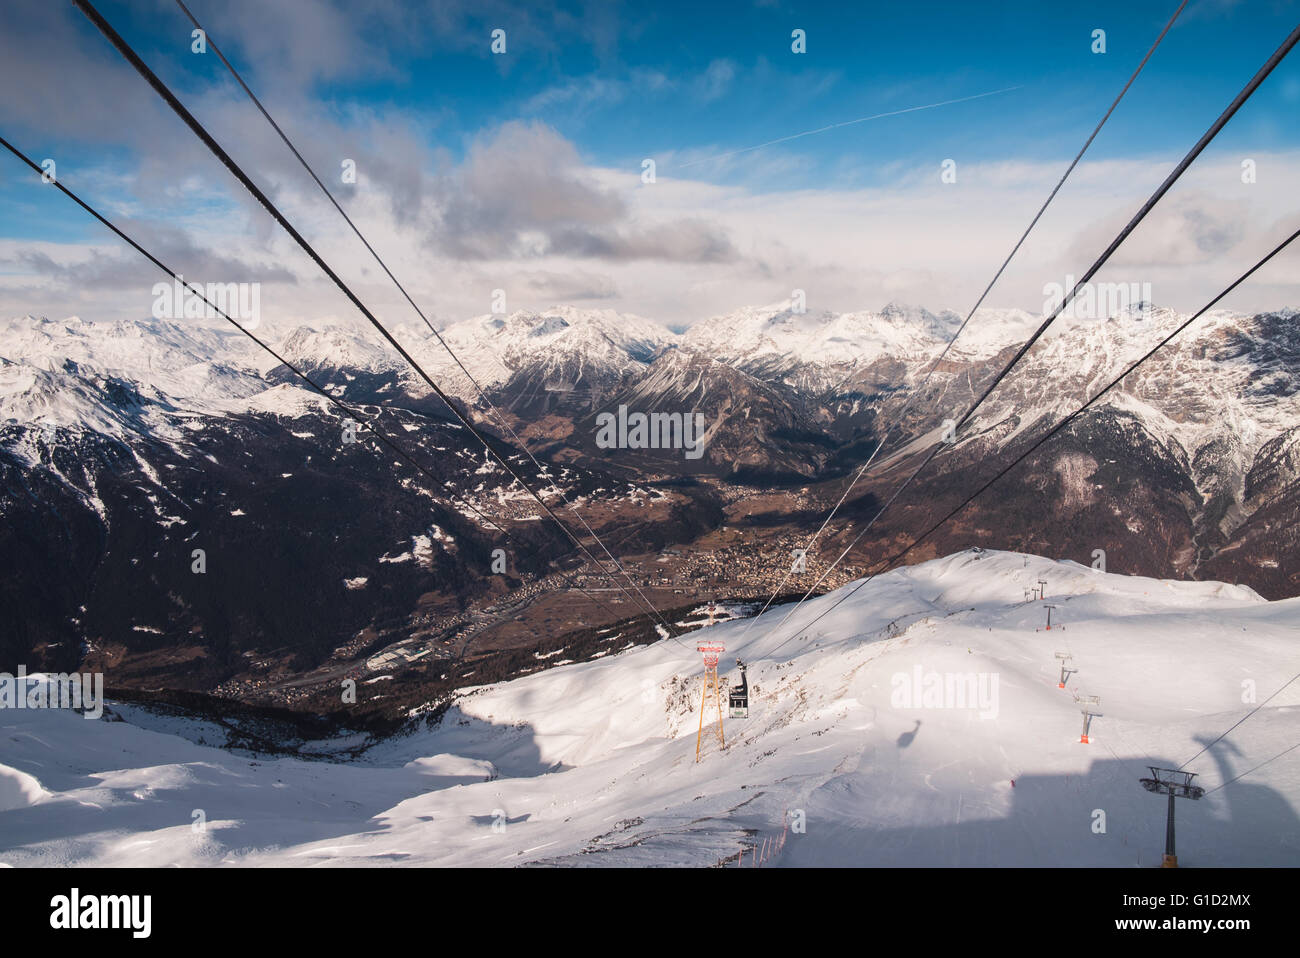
{"x":860,"y":748}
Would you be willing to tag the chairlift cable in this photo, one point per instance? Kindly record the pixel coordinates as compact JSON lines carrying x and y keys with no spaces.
{"x":1255,"y":769}
{"x":1238,"y":722}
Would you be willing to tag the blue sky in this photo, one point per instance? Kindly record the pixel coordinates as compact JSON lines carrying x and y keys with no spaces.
{"x":521,"y":170}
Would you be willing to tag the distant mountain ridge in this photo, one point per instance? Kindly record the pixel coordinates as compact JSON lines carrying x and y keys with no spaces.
{"x":122,"y":440}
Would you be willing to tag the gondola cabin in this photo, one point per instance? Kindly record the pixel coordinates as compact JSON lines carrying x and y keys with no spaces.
{"x":739,"y":696}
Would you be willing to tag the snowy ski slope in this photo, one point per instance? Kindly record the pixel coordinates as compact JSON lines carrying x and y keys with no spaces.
{"x":593,"y":763}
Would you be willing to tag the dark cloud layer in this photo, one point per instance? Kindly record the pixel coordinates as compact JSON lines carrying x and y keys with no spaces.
{"x":524,"y":193}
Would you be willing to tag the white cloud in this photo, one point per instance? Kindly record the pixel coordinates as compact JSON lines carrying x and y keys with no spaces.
{"x":524,"y":213}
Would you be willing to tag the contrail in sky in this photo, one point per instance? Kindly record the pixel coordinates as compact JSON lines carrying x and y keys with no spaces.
{"x":835,"y":126}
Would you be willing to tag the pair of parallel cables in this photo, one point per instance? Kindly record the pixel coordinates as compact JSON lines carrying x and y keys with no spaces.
{"x":918,"y":390}
{"x":1287,"y":45}
{"x":200,"y":131}
{"x":347,"y":408}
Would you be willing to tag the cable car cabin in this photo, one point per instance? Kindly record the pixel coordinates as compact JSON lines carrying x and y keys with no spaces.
{"x":739,"y":696}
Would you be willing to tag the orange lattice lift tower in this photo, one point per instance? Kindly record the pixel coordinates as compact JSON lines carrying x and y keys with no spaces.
{"x":711,"y":651}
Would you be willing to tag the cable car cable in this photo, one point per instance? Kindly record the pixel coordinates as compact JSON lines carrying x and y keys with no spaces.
{"x":129,"y":54}
{"x":402,"y":289}
{"x":347,"y":408}
{"x":1247,"y":91}
{"x":979,"y":302}
{"x":1039,"y":442}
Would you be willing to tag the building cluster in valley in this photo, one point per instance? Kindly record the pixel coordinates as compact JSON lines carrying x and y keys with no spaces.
{"x":726,"y":564}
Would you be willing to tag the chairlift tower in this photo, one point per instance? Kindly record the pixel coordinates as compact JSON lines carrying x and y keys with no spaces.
{"x":711,"y":651}
{"x":1042,"y":588}
{"x":1049,"y":609}
{"x":1175,"y":784}
{"x":1064,"y":658}
{"x":1090,"y":706}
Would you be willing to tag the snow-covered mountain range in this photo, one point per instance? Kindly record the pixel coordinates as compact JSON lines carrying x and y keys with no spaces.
{"x":783,"y":392}
{"x":125,"y":446}
{"x":1229,"y":371}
